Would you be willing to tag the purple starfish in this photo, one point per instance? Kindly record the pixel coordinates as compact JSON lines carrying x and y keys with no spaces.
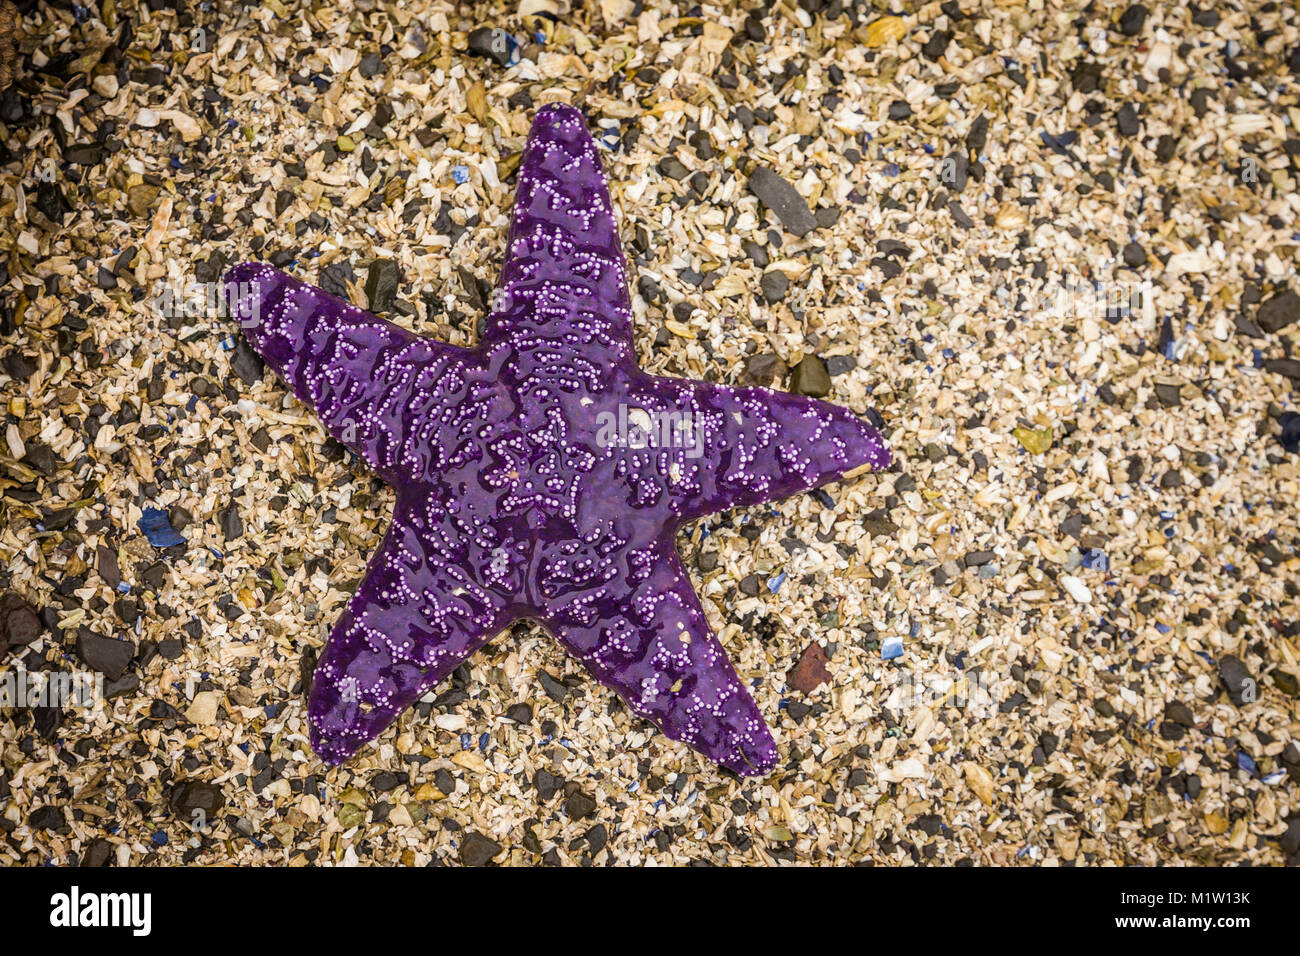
{"x":541,"y":475}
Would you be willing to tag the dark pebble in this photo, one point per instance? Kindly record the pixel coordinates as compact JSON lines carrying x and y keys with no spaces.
{"x":1128,"y":120}
{"x":840,"y":364}
{"x":579,"y":805}
{"x":520,"y":713}
{"x":1278,"y":312}
{"x":48,"y":817}
{"x":246,"y":363}
{"x":20,"y":624}
{"x":381,"y":284}
{"x":810,"y":377}
{"x":1290,"y":368}
{"x":106,"y":655}
{"x":774,"y":284}
{"x":673,"y":168}
{"x":764,"y":369}
{"x":757,"y":254}
{"x":1290,"y":435}
{"x":1169,"y":395}
{"x":937,"y":45}
{"x":1133,"y":19}
{"x":783,"y":200}
{"x":476,"y":849}
{"x":186,"y":796}
{"x":1134,"y":255}
{"x":1237,"y":679}
{"x":492,"y":43}
{"x":232,"y":526}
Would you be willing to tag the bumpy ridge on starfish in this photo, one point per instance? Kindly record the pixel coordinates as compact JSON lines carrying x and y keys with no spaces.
{"x":541,"y":475}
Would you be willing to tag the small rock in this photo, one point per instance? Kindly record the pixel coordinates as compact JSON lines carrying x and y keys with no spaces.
{"x":106,"y":655}
{"x":492,"y":43}
{"x":382,"y":281}
{"x":1180,"y":713}
{"x":1289,"y":368}
{"x":579,"y":805}
{"x":774,"y":284}
{"x":1238,"y":680}
{"x":673,"y":168}
{"x":810,"y":672}
{"x":1134,"y":255}
{"x":520,"y":713}
{"x":1133,"y":19}
{"x":20,"y":624}
{"x":810,"y":377}
{"x":187,"y":796}
{"x":1168,"y":395}
{"x":140,"y":199}
{"x":48,"y":817}
{"x":99,"y":852}
{"x":1128,"y":120}
{"x":937,"y":45}
{"x":232,"y":527}
{"x":763,"y":369}
{"x":783,"y":200}
{"x":246,"y":363}
{"x":1278,"y":312}
{"x":477,"y":849}
{"x":1290,"y":435}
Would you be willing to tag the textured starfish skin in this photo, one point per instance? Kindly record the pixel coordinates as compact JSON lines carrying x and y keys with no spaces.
{"x":509,"y":503}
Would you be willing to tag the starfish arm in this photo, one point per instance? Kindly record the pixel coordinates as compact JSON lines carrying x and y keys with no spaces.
{"x":359,"y":372}
{"x":650,"y":643}
{"x":563,"y":299}
{"x":719,"y":447}
{"x":414,"y":618}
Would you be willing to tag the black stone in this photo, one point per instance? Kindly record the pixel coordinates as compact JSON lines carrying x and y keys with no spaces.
{"x":1133,"y":19}
{"x":1238,"y":680}
{"x":783,"y":200}
{"x":1128,"y":120}
{"x":810,"y":377}
{"x":477,"y":849}
{"x":382,"y":281}
{"x":1289,"y":368}
{"x":187,"y":796}
{"x":246,"y":363}
{"x":1134,"y":255}
{"x":774,"y":284}
{"x":579,"y":805}
{"x":492,"y":43}
{"x":232,"y":526}
{"x":48,"y":817}
{"x":1279,"y":312}
{"x":105,"y":655}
